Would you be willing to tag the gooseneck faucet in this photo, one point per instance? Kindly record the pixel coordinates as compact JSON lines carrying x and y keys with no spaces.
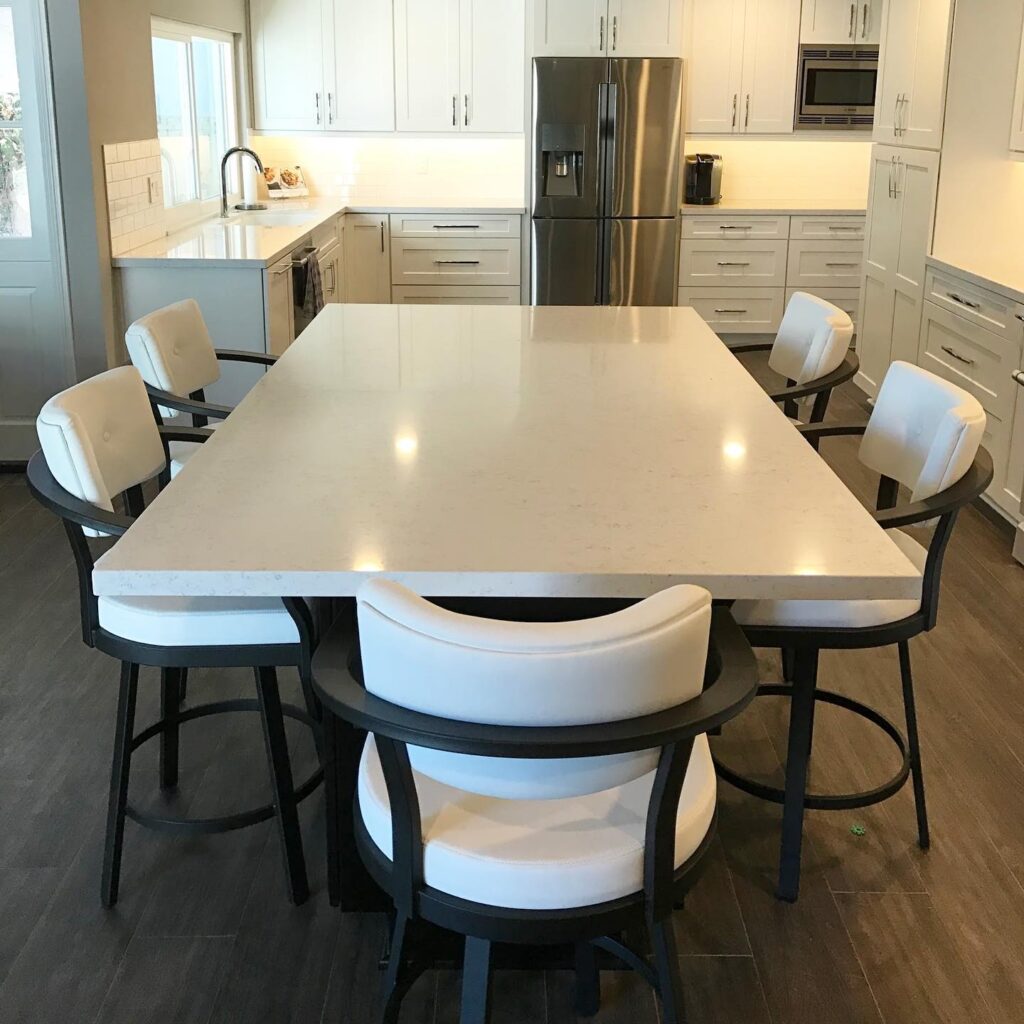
{"x":224,"y":173}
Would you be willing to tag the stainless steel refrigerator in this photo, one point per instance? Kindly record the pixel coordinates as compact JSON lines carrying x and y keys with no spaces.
{"x":607,"y":180}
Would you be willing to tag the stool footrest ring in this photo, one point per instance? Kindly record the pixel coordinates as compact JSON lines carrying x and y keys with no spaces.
{"x":827,"y":801}
{"x":229,"y":822}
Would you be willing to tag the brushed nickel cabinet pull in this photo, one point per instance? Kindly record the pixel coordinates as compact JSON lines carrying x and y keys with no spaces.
{"x":956,"y":355}
{"x":382,"y":236}
{"x":735,"y":227}
{"x":330,"y":108}
{"x":600,"y":42}
{"x":317,"y":95}
{"x":853,"y":18}
{"x":735,"y":104}
{"x":963,"y":302}
{"x":864,"y":26}
{"x":457,"y":263}
{"x":1018,"y":376}
{"x":465,"y":109}
{"x":446,"y":227}
{"x":732,"y":263}
{"x":842,"y":264}
{"x":455,"y":111}
{"x":746,"y":117}
{"x":615,"y":32}
{"x":732,"y":311}
{"x":844,"y":227}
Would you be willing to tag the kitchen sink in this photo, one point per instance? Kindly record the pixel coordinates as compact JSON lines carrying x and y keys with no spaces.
{"x":271,"y":218}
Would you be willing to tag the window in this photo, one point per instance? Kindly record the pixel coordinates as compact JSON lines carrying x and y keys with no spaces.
{"x":15,"y":219}
{"x":196,"y":114}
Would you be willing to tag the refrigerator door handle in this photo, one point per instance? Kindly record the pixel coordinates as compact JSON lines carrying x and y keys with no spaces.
{"x":610,"y":142}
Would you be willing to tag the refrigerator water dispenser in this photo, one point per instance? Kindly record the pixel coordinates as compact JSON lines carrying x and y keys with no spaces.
{"x":562,"y":148}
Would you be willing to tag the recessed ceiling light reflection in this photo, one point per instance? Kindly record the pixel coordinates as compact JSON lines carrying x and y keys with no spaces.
{"x":734,"y":451}
{"x":406,"y":445}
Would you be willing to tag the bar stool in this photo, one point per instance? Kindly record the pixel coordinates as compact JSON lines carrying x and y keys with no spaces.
{"x":99,"y":440}
{"x":812,"y":351}
{"x":173,"y":351}
{"x":532,"y":783}
{"x":925,"y":434}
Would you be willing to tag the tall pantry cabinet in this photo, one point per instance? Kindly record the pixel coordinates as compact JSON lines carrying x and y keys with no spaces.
{"x":914,"y":61}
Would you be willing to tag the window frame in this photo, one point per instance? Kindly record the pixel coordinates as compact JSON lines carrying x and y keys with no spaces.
{"x":190,"y":212}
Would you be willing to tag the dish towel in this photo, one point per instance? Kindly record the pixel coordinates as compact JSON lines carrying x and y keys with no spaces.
{"x":313,"y":300}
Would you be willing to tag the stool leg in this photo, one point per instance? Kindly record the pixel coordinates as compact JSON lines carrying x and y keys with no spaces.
{"x":588,"y":980}
{"x":119,"y":771}
{"x":402,"y":970}
{"x":666,"y":962}
{"x":914,"y":747}
{"x":476,"y":978}
{"x":284,"y":788}
{"x":183,"y":687}
{"x":170,"y":701}
{"x":801,"y":720}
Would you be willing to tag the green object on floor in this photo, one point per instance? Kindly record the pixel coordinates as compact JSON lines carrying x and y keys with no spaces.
{"x":858,"y":830}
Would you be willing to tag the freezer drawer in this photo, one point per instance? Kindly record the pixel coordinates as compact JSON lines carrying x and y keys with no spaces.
{"x":737,"y":310}
{"x":641,"y":262}
{"x":564,"y":263}
{"x":455,"y":260}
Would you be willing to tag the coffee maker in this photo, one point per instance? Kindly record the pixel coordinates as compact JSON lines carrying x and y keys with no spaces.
{"x":703,"y":179}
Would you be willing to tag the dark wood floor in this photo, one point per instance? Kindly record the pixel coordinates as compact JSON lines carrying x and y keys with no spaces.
{"x":202,"y":934}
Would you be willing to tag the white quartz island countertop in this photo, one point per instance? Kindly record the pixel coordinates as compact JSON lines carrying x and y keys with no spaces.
{"x":514,"y":451}
{"x":260,"y":238}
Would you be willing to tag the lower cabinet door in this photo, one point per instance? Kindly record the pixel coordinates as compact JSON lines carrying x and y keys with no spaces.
{"x":330,"y":273}
{"x":737,"y":310}
{"x":280,"y":309}
{"x":367,"y":258}
{"x":454,"y":295}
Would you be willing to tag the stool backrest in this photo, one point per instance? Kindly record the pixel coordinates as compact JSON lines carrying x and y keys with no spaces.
{"x":646,"y":658}
{"x":924,"y":432}
{"x":172,"y":349}
{"x":813,"y":339}
{"x":99,"y":437}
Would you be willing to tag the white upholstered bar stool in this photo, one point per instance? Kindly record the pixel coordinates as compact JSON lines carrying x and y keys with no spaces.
{"x":811,"y":350}
{"x":924,"y":434}
{"x":100,"y":441}
{"x":172,"y":349}
{"x":557,"y":784}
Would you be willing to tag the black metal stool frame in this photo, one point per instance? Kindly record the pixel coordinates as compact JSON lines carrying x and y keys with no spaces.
{"x":174,"y":663}
{"x":730,"y":684}
{"x":800,"y":648}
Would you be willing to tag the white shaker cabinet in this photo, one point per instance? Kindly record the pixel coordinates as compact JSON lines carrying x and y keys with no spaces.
{"x":901,"y":217}
{"x":459,"y":65}
{"x":911,"y":96}
{"x":322,"y":65}
{"x":280,"y":312}
{"x":607,"y":28}
{"x":742,"y":66}
{"x":367,"y":258}
{"x":841,"y":21}
{"x":1017,"y":124}
{"x":287,"y":64}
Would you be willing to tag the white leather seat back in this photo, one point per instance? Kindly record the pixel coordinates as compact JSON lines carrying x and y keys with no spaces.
{"x":813,"y":339}
{"x":99,"y":437}
{"x":172,"y":349}
{"x":923,"y":432}
{"x":643,"y":659}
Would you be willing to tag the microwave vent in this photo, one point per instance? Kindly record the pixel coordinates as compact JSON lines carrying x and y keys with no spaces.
{"x":854,"y":121}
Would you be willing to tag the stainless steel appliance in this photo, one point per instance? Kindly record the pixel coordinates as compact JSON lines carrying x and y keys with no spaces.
{"x":703,"y":179}
{"x":836,"y":87}
{"x":607,"y":182}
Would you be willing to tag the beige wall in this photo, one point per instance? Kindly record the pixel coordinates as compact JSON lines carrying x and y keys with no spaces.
{"x":118,"y":66}
{"x":980,"y":217}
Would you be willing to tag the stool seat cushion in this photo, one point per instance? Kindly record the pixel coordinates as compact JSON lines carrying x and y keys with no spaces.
{"x":182,"y":451}
{"x":539,"y":854}
{"x":832,"y":614}
{"x":198,"y":621}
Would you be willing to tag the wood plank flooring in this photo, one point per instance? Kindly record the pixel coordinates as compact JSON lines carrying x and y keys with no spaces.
{"x":203,"y":935}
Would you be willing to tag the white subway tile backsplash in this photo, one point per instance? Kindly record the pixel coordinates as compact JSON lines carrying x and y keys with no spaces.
{"x":134,"y":220}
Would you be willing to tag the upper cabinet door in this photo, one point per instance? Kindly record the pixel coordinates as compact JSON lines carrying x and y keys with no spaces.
{"x":361,"y":68}
{"x":715,"y":62}
{"x":912,"y":89}
{"x":492,"y":44}
{"x":570,"y":28}
{"x":427,"y":95}
{"x":829,"y":22}
{"x":869,"y":25}
{"x":287,"y":64}
{"x":771,"y":42}
{"x":645,"y":28}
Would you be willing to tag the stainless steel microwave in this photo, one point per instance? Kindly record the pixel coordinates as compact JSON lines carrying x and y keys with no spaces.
{"x":836,"y":87}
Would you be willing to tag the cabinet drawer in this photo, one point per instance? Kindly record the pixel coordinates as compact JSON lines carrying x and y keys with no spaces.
{"x":444,"y":225}
{"x":465,"y":261}
{"x":979,"y":305}
{"x":327,"y":234}
{"x":737,"y":310}
{"x":835,"y":228}
{"x":847,"y":299}
{"x":454,"y":295}
{"x":753,"y":263}
{"x":711,"y":226}
{"x":976,"y":359}
{"x":823,"y":264}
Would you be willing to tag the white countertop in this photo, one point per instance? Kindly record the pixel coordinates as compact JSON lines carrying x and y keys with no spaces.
{"x":252,"y":240}
{"x":796,"y":208}
{"x":1006,"y":278}
{"x":482,"y":450}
